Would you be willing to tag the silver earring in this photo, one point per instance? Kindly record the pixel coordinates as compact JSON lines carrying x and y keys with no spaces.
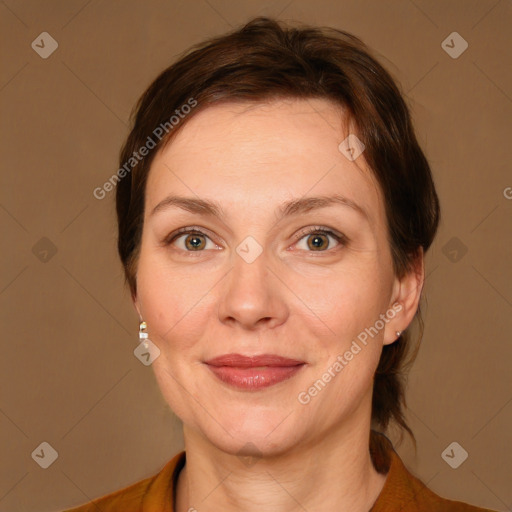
{"x":143,"y":335}
{"x":398,"y":334}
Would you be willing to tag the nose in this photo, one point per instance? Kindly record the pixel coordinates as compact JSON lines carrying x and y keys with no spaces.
{"x":252,"y":296}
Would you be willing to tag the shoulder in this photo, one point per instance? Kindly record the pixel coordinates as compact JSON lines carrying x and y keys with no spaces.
{"x":140,"y":496}
{"x":128,"y":499}
{"x":404,"y":491}
{"x":423,"y":499}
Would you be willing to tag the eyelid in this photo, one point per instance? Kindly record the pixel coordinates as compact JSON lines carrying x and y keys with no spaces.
{"x":169,"y":239}
{"x":340,"y":237}
{"x":321,"y":229}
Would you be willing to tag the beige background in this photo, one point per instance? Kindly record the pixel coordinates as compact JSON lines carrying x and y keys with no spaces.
{"x":69,"y":376}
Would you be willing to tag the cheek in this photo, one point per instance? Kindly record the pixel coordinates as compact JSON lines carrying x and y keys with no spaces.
{"x":353,"y":307}
{"x":174,"y":308}
{"x":173,"y":303}
{"x":347,"y":300}
{"x":350,"y":305}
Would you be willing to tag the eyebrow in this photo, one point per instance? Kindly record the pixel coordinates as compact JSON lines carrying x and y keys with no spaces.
{"x":293,"y":207}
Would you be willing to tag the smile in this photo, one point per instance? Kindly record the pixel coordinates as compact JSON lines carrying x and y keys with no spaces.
{"x":253,"y":372}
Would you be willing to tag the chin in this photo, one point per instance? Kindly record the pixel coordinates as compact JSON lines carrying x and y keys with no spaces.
{"x":250,"y":444}
{"x":254,"y":435}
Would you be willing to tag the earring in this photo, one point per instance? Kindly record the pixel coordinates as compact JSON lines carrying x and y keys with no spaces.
{"x":398,"y":334}
{"x":143,"y":335}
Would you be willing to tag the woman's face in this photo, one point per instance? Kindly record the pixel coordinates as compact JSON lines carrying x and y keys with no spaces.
{"x":251,"y":280}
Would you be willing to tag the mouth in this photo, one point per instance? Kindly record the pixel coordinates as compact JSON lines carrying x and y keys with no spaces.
{"x":253,"y":372}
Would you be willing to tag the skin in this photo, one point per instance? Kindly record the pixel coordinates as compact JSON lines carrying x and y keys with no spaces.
{"x":292,"y":300}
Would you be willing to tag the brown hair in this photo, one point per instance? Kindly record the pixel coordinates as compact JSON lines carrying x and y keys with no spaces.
{"x":265,"y":60}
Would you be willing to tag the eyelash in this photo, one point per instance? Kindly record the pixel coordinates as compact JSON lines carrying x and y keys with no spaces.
{"x":340,"y":238}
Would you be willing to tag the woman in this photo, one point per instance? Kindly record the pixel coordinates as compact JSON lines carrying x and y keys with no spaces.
{"x":274,"y":209}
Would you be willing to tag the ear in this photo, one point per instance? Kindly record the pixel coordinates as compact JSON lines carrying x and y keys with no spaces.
{"x":136,"y":305}
{"x":405,"y":298}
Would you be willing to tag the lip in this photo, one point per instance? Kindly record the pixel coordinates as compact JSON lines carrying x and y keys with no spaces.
{"x":253,"y":372}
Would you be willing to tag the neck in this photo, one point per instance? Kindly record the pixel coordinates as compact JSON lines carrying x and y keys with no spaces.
{"x":335,"y":472}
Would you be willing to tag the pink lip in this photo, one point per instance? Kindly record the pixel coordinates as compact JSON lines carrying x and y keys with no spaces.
{"x":252,"y":373}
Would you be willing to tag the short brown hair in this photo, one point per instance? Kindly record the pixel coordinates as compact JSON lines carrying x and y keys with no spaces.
{"x":266,"y":60}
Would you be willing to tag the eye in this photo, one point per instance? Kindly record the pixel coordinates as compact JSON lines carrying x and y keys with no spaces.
{"x":317,"y":239}
{"x":194,"y":240}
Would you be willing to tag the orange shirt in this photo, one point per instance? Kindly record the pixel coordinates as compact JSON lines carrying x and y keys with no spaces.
{"x":401,"y":492}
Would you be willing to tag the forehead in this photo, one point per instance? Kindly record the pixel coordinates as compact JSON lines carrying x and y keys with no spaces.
{"x":262,"y":154}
